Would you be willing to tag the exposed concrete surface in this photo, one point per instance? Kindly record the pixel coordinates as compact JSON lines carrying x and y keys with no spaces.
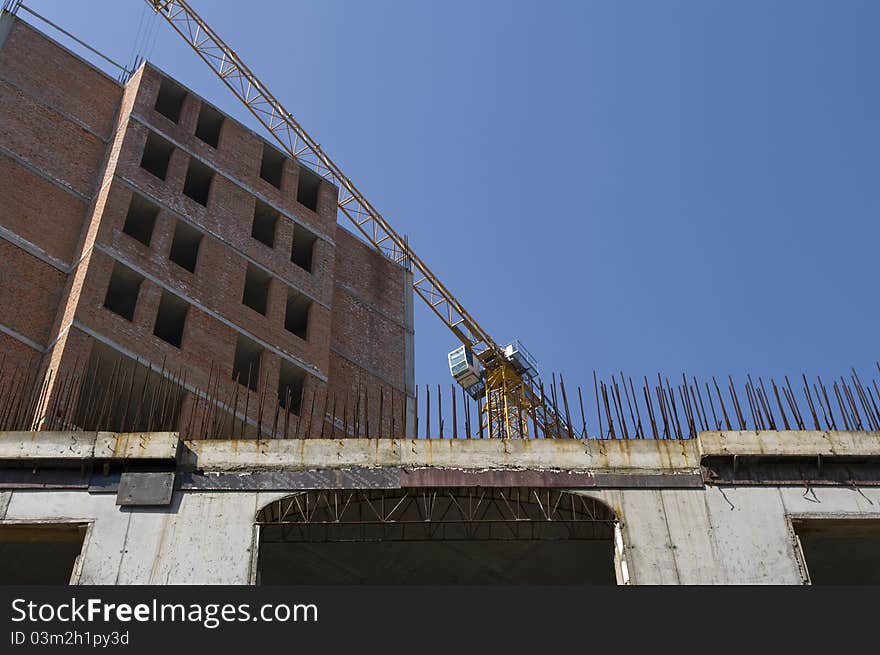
{"x":724,"y":536}
{"x":137,"y":445}
{"x":88,"y":445}
{"x":558,"y":454}
{"x":707,"y":535}
{"x":201,"y":538}
{"x":700,"y":536}
{"x":47,"y":445}
{"x":632,"y":456}
{"x":789,"y":443}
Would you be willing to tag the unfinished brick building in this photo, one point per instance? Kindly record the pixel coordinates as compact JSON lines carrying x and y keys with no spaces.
{"x":148,"y":237}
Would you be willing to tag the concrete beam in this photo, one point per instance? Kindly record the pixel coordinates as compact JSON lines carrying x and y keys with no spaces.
{"x":788,"y":443}
{"x":279,"y":454}
{"x":137,"y":445}
{"x":78,"y":446}
{"x":47,"y":445}
{"x":606,"y":456}
{"x":570,"y":455}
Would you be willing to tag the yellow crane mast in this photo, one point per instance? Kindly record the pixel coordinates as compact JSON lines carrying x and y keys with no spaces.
{"x":504,"y":377}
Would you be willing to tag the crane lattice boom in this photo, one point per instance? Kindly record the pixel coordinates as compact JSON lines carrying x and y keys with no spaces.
{"x":501,"y":407}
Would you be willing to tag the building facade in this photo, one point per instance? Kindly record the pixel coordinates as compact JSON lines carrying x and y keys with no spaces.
{"x":145,"y":234}
{"x":194,"y":282}
{"x":755,"y":507}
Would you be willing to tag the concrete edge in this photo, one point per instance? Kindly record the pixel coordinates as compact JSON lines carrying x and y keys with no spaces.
{"x":788,"y":443}
{"x":83,"y":446}
{"x":635,"y":456}
{"x":565,"y":455}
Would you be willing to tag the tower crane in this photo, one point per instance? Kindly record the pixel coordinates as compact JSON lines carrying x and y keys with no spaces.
{"x":504,"y":377}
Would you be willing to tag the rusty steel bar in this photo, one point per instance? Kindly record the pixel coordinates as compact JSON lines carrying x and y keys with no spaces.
{"x":106,"y":394}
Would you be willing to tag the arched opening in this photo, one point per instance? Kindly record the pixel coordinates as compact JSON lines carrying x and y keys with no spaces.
{"x":461,"y":535}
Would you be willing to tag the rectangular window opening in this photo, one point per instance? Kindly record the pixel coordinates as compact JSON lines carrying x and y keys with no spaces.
{"x":122,"y":292}
{"x":265,"y":220}
{"x":171,"y":319}
{"x":303,"y":248}
{"x":256,"y":289}
{"x":198,"y":181}
{"x":246,"y":365}
{"x":39,"y":553}
{"x":185,"y":246}
{"x":307,"y":186}
{"x":169,"y":101}
{"x":840,"y":551}
{"x":272,"y":166}
{"x":296,"y":319}
{"x":157,"y":154}
{"x":140,"y":219}
{"x":291,"y":381}
{"x":209,"y":125}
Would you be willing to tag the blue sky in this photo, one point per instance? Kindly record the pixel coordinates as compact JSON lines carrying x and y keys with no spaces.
{"x":638,"y":186}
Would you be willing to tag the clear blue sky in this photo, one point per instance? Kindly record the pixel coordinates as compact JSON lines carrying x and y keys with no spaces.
{"x":623,"y":185}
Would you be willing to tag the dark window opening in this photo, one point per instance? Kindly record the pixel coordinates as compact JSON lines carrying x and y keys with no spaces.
{"x":256,"y":289}
{"x":303,"y":248}
{"x":307,"y":187}
{"x":265,"y":220}
{"x":246,"y":365}
{"x":170,"y":100}
{"x":290,"y":387}
{"x":171,"y":319}
{"x":272,"y":166}
{"x":296,"y":320}
{"x":185,"y":246}
{"x":157,"y":154}
{"x":198,"y":182}
{"x":39,"y":553}
{"x":209,"y":125}
{"x":122,"y":292}
{"x":140,"y":219}
{"x":840,"y":551}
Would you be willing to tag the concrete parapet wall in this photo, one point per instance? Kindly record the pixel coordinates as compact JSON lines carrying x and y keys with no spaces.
{"x":789,"y":443}
{"x":731,"y":534}
{"x":82,"y":446}
{"x":574,"y":455}
{"x":636,"y":456}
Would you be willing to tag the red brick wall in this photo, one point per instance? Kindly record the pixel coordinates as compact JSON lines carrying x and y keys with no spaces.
{"x":368,"y":310}
{"x":81,"y":121}
{"x":39,"y":135}
{"x":62,"y":81}
{"x":29,"y":292}
{"x":39,"y":211}
{"x":239,"y":153}
{"x":14,"y":353}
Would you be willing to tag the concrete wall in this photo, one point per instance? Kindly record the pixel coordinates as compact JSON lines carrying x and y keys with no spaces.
{"x":673,"y":528}
{"x":724,"y":535}
{"x":681,"y":536}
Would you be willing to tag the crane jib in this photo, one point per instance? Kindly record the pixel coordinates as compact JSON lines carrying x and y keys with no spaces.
{"x":351,"y":203}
